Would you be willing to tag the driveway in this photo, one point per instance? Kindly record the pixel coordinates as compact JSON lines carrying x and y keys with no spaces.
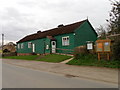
{"x":87,"y":72}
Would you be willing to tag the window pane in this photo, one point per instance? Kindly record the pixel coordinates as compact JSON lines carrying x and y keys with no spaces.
{"x":29,"y":45}
{"x":18,"y":46}
{"x":67,"y":38}
{"x":53,"y":43}
{"x":22,"y":45}
{"x":65,"y":41}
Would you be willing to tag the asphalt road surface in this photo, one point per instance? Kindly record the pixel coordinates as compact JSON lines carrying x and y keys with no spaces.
{"x":20,"y":77}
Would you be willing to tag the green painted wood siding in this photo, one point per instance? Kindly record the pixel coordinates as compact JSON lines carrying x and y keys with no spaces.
{"x":47,"y":42}
{"x":39,"y":46}
{"x":25,"y":48}
{"x":84,"y":33}
{"x":79,"y":37}
{"x":59,"y":42}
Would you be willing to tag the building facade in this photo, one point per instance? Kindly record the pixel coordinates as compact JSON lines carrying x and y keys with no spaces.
{"x":58,"y":40}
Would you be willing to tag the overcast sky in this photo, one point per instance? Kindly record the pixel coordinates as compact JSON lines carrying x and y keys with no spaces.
{"x":19,"y":18}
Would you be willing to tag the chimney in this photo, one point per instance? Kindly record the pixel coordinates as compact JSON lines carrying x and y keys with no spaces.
{"x":38,"y":31}
{"x":61,"y":25}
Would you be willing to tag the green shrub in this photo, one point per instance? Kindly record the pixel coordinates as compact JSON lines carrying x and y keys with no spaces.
{"x":116,"y":49}
{"x":91,"y":60}
{"x":80,"y":52}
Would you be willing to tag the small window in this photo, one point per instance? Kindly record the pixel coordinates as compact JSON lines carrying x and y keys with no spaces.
{"x":47,"y":46}
{"x":67,"y":38}
{"x":53,"y":43}
{"x":18,"y":46}
{"x":29,"y":45}
{"x":22,"y":46}
{"x":65,"y":41}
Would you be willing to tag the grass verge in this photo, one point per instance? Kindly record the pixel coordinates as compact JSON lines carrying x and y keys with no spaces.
{"x":30,"y":57}
{"x":48,"y":58}
{"x":91,"y":60}
{"x":54,"y":58}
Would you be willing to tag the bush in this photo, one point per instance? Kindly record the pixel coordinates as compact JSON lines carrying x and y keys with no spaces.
{"x":9,"y":54}
{"x":80,"y":51}
{"x":91,"y":60}
{"x":116,"y":49}
{"x":5,"y":51}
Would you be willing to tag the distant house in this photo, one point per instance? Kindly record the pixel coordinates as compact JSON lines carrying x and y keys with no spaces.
{"x":64,"y":37}
{"x":9,"y":47}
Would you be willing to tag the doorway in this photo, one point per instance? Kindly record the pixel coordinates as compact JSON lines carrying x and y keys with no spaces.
{"x":53,"y":46}
{"x":33,"y":48}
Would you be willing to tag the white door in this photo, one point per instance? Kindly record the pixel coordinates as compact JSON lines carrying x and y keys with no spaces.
{"x":33,"y":48}
{"x":53,"y":44}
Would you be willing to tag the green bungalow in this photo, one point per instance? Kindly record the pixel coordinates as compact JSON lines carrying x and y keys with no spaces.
{"x":58,"y":40}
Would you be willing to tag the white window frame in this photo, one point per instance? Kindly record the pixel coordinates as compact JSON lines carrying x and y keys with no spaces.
{"x":47,"y":47}
{"x":66,"y":42}
{"x":29,"y":45}
{"x":18,"y":46}
{"x":22,"y":45}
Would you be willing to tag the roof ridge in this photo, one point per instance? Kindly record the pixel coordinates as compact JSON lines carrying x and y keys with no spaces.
{"x":66,"y":25}
{"x":69,"y":28}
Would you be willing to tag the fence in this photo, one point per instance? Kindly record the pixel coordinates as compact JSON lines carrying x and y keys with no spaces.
{"x":80,"y":49}
{"x":65,"y":51}
{"x":9,"y":54}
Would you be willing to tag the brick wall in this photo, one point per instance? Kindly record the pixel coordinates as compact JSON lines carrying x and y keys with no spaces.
{"x":23,"y":54}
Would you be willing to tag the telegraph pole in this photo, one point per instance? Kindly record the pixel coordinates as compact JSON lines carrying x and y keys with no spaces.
{"x":2,"y":42}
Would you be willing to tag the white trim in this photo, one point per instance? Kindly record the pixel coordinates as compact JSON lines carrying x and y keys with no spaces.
{"x":47,"y":46}
{"x":67,"y":42}
{"x":53,"y":46}
{"x":33,"y":47}
{"x":18,"y":46}
{"x":22,"y":45}
{"x":29,"y":45}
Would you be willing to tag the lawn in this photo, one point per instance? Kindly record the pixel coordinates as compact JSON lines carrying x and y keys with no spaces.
{"x":54,"y":58}
{"x":48,"y":58}
{"x":91,"y":60}
{"x":30,"y":57}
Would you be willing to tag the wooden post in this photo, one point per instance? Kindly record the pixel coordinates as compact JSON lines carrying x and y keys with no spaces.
{"x":99,"y":56}
{"x":108,"y":56}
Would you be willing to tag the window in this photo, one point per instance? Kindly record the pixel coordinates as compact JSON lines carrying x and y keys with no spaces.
{"x":47,"y":46}
{"x":53,"y":43}
{"x":29,"y":45}
{"x":18,"y":46}
{"x":65,"y":41}
{"x":22,"y":45}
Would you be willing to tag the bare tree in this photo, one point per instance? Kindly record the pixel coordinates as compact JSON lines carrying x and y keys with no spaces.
{"x":114,"y":21}
{"x":101,"y":32}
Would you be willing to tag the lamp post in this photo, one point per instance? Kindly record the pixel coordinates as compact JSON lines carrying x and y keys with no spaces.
{"x":2,"y":42}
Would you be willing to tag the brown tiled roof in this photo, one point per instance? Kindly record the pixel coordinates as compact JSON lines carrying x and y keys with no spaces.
{"x":53,"y":32}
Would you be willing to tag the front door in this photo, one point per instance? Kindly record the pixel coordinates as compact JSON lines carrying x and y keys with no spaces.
{"x":53,"y":45}
{"x":33,"y":48}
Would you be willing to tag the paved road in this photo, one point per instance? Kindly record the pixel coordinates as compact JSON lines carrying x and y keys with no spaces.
{"x":19,"y":77}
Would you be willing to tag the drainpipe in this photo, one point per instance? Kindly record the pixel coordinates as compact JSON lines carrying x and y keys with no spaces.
{"x":44,"y":47}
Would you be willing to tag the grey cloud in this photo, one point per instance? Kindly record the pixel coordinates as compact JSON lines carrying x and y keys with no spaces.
{"x":28,"y":16}
{"x":11,"y":14}
{"x":15,"y":33}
